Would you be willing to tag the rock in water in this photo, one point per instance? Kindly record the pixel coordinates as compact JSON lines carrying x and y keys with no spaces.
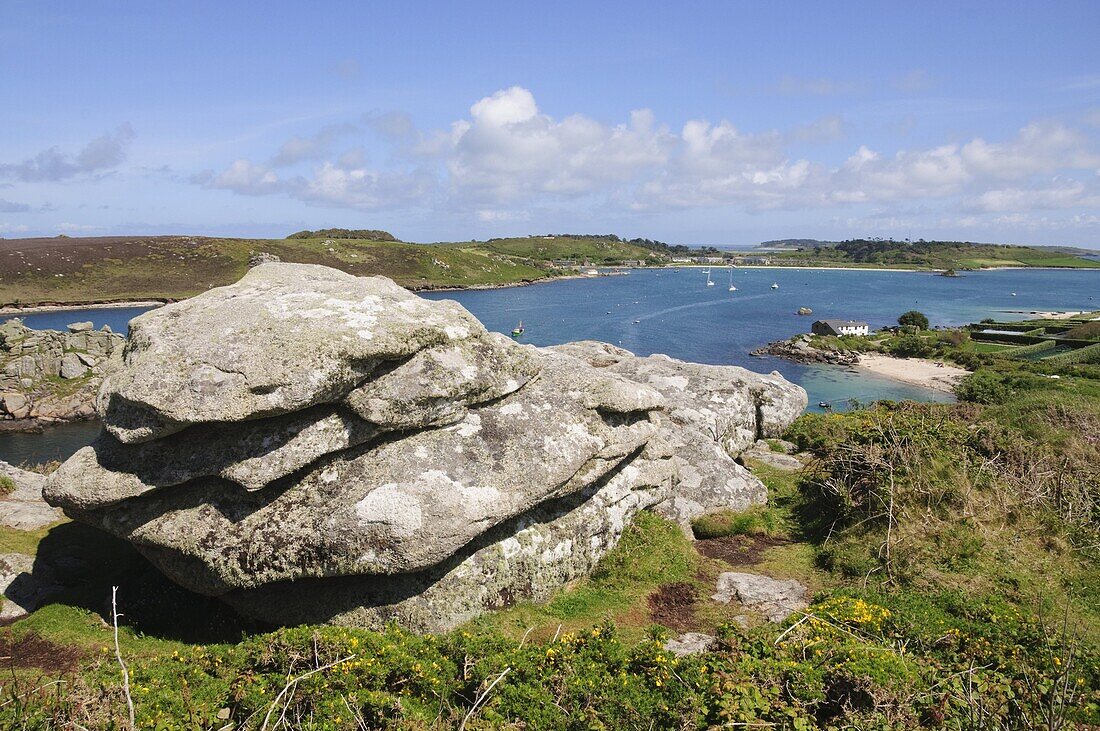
{"x":315,"y":447}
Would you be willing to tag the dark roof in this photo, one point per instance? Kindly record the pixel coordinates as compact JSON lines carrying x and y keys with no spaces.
{"x":837,"y":324}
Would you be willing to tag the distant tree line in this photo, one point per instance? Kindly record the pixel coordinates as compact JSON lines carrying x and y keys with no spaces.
{"x":344,"y":233}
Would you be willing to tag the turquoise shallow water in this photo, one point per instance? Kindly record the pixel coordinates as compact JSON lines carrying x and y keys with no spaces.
{"x":674,"y":312}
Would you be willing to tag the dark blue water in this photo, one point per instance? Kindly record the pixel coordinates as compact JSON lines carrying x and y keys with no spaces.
{"x":674,"y":312}
{"x":117,"y":318}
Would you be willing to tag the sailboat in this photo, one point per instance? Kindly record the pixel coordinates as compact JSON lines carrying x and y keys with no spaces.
{"x":517,"y":330}
{"x":710,"y":283}
{"x":732,"y":288}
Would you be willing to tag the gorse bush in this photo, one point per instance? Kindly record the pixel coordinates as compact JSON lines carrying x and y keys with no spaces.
{"x":853,"y":659}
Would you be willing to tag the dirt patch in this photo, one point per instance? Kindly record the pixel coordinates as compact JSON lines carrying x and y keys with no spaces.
{"x":34,"y":651}
{"x":673,"y":605}
{"x":738,"y":550}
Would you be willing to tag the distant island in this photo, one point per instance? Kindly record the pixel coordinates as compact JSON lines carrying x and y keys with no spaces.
{"x":68,"y":271}
{"x":921,"y":254}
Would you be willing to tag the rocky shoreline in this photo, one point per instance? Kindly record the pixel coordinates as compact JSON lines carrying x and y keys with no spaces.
{"x":799,"y":350}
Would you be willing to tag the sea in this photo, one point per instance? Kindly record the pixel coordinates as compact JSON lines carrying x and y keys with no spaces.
{"x":673,"y":311}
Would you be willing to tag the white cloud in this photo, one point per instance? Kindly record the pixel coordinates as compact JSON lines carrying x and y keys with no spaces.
{"x":1060,"y":194}
{"x":821,"y":86}
{"x":314,"y":147}
{"x":7,"y":206}
{"x":508,"y":158}
{"x":509,"y":150}
{"x":52,"y":165}
{"x":912,"y":82}
{"x":247,"y":178}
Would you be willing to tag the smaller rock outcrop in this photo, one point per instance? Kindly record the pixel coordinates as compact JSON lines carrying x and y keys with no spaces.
{"x":690,"y":643}
{"x":23,"y":508}
{"x":799,"y":350}
{"x":256,"y":258}
{"x":762,"y":452}
{"x":48,"y":376}
{"x":713,"y":413}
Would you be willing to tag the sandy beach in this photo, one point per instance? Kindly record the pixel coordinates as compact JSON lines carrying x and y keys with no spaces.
{"x":915,"y":371}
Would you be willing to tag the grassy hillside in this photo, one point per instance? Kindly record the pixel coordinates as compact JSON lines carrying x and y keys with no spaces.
{"x":931,"y":255}
{"x":81,"y":270}
{"x":595,"y":249}
{"x":122,"y":268}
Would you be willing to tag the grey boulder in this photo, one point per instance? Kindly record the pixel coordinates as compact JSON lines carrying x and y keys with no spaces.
{"x":776,"y":599}
{"x":283,"y":338}
{"x":713,"y":414}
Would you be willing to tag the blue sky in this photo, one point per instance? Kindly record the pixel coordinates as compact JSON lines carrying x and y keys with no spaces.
{"x":691,"y":122}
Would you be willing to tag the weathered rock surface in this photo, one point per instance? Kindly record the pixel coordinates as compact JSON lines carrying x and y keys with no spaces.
{"x":283,"y":338}
{"x":762,"y":452}
{"x":23,"y":508}
{"x":799,"y":350}
{"x":776,"y":599}
{"x":690,"y":643}
{"x":714,"y":413}
{"x":315,"y":447}
{"x":32,"y":361}
{"x":24,"y":585}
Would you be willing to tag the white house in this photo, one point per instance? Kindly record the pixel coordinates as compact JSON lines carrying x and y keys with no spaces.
{"x":840,"y":327}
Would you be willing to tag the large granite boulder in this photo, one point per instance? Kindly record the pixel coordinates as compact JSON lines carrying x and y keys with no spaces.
{"x":315,"y":447}
{"x":283,"y":338}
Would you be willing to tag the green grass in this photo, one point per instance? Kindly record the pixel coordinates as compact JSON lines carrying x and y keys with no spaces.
{"x":757,"y":521}
{"x":20,"y":541}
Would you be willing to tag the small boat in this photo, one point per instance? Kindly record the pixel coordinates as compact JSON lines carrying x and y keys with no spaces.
{"x":775,"y":285}
{"x":710,"y":282}
{"x":732,"y":288}
{"x":1013,"y":294}
{"x":518,"y":330}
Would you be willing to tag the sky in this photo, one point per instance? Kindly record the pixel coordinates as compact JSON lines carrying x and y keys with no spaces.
{"x":689,"y":122}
